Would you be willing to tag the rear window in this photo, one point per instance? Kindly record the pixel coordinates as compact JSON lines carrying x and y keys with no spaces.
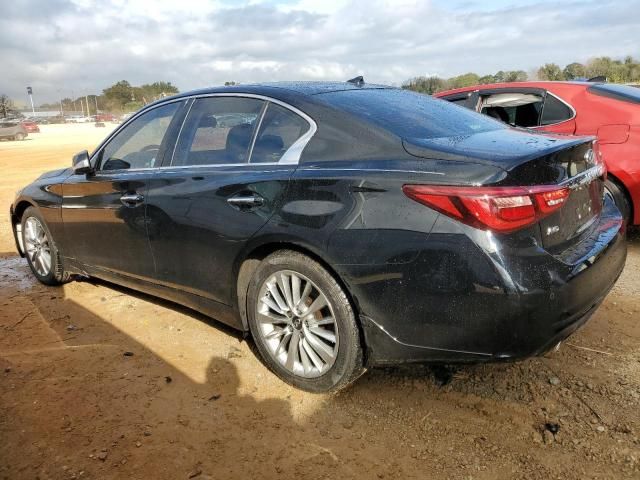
{"x":409,"y":114}
{"x":624,"y":93}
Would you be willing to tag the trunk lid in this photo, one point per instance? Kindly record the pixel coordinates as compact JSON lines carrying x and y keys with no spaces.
{"x":531,"y":159}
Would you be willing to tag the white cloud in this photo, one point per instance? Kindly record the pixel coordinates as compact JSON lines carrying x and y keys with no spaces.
{"x":86,"y":45}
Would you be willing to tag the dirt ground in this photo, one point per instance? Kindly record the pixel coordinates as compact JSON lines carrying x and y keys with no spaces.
{"x":100,"y":382}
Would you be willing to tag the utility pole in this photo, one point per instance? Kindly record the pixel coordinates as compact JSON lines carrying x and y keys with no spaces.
{"x":61,"y":107}
{"x":86,"y":100}
{"x":95,"y":97}
{"x":30,"y":93}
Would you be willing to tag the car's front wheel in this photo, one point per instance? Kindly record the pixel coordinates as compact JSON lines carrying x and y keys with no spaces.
{"x":40,"y":249}
{"x":19,"y":137}
{"x":303,"y":324}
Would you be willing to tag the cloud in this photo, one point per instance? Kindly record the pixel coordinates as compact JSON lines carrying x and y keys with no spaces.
{"x":60,"y":46}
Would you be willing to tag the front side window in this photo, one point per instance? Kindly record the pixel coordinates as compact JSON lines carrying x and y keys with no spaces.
{"x":280,"y":128}
{"x":138,"y":144}
{"x":218,"y":131}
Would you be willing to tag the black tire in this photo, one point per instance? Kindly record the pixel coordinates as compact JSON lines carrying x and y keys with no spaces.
{"x":348,"y":363}
{"x":620,"y":198}
{"x":56,"y":274}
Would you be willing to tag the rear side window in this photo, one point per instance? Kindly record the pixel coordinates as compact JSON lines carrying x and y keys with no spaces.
{"x":554,"y":111}
{"x":218,"y":131}
{"x":409,"y":114}
{"x":279,"y":129}
{"x":624,"y":93}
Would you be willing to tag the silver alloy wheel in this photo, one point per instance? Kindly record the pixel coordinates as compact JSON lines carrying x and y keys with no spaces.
{"x":296,"y":322}
{"x":37,"y":246}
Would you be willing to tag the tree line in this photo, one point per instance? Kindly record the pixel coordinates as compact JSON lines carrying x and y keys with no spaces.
{"x":616,"y":71}
{"x":120,"y":97}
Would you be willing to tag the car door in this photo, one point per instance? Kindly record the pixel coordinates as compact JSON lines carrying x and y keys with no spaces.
{"x":228,"y":175}
{"x":104,"y":212}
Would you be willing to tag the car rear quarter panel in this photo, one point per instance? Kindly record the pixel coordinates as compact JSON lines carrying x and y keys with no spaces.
{"x":355,"y":217}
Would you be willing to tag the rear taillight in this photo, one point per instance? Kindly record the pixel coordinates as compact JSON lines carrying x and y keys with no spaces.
{"x":502,"y":209}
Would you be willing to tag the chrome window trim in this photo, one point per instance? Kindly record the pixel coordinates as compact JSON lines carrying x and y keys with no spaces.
{"x":290,"y":157}
{"x":263,"y":112}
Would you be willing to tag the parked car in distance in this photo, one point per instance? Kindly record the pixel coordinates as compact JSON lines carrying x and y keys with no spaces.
{"x":105,"y":117}
{"x":12,"y":129}
{"x":78,"y":119}
{"x":30,"y":126}
{"x":608,"y":111}
{"x":341,"y":225}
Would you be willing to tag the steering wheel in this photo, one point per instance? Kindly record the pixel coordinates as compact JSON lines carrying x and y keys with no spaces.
{"x":150,"y":147}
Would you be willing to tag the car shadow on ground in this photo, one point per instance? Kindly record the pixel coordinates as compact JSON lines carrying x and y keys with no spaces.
{"x":102,"y":382}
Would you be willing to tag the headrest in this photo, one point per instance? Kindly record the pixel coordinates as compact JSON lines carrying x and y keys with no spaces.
{"x":208,"y":121}
{"x":272,"y":143}
{"x":238,"y":140}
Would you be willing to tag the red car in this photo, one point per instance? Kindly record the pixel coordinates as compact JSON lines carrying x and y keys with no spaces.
{"x":105,"y":117}
{"x":30,"y":127}
{"x":609,"y":111}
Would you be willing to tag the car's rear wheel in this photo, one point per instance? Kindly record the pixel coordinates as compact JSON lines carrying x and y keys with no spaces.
{"x":303,"y":324}
{"x":617,"y":194}
{"x":19,"y":136}
{"x":40,"y":249}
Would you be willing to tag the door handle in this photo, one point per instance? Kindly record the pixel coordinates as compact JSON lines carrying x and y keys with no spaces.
{"x":246,"y":201}
{"x":131,"y":199}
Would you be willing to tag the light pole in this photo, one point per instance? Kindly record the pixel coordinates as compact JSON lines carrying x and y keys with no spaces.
{"x":61,"y":107}
{"x":30,"y":93}
{"x":75,"y":106}
{"x":95,"y":97}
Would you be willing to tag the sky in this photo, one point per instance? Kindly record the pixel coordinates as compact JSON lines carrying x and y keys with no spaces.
{"x":65,"y":47}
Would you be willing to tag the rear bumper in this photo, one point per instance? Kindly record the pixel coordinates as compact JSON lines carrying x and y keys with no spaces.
{"x":551,"y":300}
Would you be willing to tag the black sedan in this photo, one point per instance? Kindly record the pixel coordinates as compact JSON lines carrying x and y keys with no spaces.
{"x":342,"y":225}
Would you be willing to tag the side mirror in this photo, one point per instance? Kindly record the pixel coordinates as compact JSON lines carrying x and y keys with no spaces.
{"x":81,"y":163}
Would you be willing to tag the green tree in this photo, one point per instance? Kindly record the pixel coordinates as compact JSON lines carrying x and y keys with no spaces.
{"x":429,"y":85}
{"x":6,"y":106}
{"x":119,"y":94}
{"x":487,"y":79}
{"x":500,"y":76}
{"x":464,"y":80}
{"x":550,"y":71}
{"x":574,"y":70}
{"x":515,"y":76}
{"x":157,"y":90}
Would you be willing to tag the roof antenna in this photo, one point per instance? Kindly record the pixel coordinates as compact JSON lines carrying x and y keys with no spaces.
{"x":357,"y":81}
